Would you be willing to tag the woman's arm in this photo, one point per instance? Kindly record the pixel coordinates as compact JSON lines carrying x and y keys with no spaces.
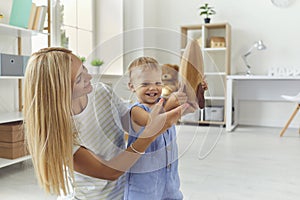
{"x":89,"y":164}
{"x":86,"y":162}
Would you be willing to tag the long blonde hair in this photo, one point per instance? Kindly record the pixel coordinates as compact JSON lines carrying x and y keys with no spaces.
{"x":48,"y":117}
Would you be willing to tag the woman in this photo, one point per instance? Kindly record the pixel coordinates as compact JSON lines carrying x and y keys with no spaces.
{"x":56,"y":90}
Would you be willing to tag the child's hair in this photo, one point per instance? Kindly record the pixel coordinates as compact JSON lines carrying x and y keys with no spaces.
{"x":145,"y":63}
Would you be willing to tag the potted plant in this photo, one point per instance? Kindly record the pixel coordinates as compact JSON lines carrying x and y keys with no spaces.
{"x":96,"y":64}
{"x":207,"y":11}
{"x":83,"y":59}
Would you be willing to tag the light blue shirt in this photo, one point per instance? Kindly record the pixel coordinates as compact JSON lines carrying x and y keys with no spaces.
{"x":155,"y":174}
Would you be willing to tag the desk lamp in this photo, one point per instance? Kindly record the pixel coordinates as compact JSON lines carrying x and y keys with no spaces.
{"x":259,"y":45}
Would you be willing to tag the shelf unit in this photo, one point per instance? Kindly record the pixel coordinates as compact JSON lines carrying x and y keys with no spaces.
{"x":216,"y":64}
{"x":19,"y":33}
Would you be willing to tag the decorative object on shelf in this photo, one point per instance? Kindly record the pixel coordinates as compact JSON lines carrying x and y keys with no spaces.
{"x":82,"y":58}
{"x":20,"y":13}
{"x":207,"y":11}
{"x":32,"y":16}
{"x":217,"y":42}
{"x":169,"y":79}
{"x":282,"y":3}
{"x":39,"y":19}
{"x":284,"y":71}
{"x":96,"y":64}
{"x":259,"y":45}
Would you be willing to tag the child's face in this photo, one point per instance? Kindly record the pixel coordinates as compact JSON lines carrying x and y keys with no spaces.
{"x":147,"y":85}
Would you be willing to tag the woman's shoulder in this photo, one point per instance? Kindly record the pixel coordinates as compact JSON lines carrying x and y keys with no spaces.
{"x":102,"y":86}
{"x":101,"y":90}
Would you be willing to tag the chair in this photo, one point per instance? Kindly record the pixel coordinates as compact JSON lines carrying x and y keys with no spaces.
{"x":293,"y":99}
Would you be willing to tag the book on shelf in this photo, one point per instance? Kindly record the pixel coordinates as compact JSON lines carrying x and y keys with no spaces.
{"x":32,"y":16}
{"x":40,"y":16}
{"x":20,"y":13}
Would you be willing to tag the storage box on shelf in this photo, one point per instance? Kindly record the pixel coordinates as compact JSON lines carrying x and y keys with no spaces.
{"x":11,"y":132}
{"x":214,"y":113}
{"x":215,"y":43}
{"x":12,"y":144}
{"x":12,"y":65}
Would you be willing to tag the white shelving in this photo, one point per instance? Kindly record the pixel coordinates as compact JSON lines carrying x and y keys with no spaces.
{"x":14,"y":31}
{"x":6,"y":117}
{"x":214,"y":49}
{"x":19,"y":33}
{"x":215,"y":73}
{"x":215,"y":98}
{"x":10,"y":117}
{"x":216,"y":62}
{"x":6,"y":162}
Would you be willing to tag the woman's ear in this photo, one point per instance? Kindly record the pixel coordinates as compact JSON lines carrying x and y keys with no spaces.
{"x":131,"y":87}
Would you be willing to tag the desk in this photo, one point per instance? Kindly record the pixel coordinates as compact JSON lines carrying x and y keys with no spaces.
{"x":259,"y":88}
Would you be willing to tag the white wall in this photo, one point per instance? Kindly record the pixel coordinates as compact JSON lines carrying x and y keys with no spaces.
{"x":250,"y":21}
{"x":109,"y":29}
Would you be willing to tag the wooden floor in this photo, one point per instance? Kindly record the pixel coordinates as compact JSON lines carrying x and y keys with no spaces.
{"x":251,"y":163}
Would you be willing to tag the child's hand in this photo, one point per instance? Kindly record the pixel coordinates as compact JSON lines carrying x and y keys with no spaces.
{"x":204,"y":84}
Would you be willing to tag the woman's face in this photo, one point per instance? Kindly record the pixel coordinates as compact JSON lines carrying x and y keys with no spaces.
{"x":81,"y":79}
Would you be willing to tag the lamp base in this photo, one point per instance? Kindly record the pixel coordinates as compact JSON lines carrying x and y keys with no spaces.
{"x":248,"y":73}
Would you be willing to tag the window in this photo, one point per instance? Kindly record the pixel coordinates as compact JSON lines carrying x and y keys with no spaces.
{"x":74,"y":25}
{"x":90,"y":34}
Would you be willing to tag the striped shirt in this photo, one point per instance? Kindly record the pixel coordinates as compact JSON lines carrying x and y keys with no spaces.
{"x":100,"y":130}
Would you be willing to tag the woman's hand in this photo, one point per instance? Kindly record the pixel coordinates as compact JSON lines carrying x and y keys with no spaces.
{"x":176,"y":99}
{"x":160,"y":121}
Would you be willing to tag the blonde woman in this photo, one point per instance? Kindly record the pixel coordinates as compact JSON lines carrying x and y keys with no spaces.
{"x":57,"y":97}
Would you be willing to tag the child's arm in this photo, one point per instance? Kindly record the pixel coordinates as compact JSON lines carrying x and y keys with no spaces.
{"x":139,"y":116}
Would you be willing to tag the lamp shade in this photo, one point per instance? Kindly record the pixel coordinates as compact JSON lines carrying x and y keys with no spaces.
{"x":259,"y":45}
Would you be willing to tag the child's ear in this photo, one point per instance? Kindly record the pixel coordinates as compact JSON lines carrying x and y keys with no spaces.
{"x":130,"y":86}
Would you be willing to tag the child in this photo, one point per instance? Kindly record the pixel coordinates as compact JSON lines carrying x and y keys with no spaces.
{"x":155,"y":175}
